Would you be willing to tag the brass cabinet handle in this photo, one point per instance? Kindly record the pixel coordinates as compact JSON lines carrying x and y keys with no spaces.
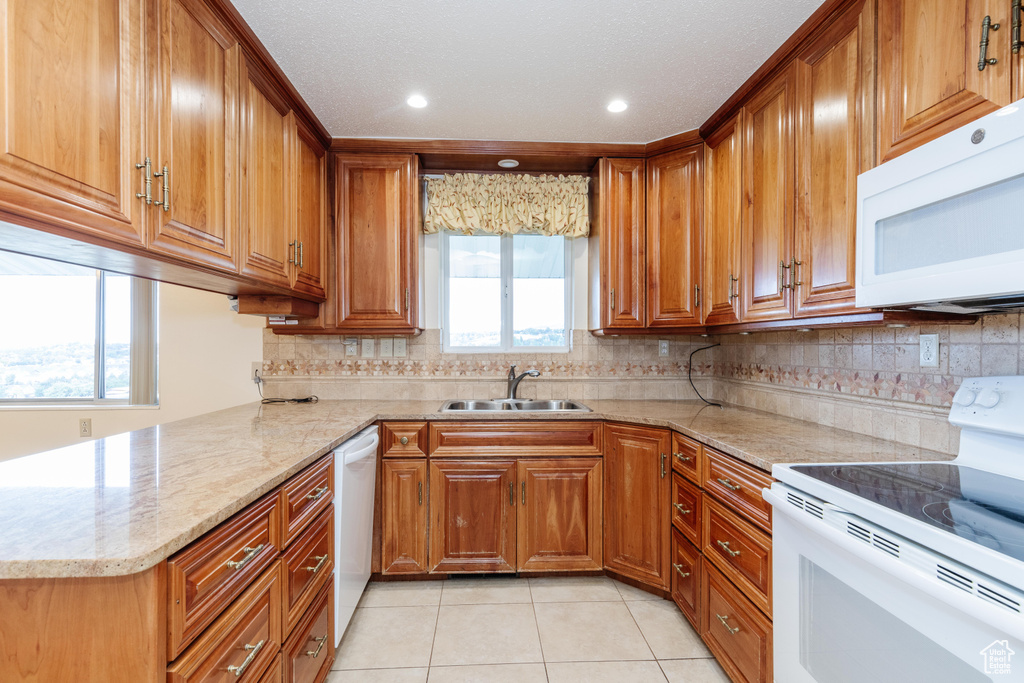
{"x":696,"y":297}
{"x":407,"y":298}
{"x":420,"y":484}
{"x":302,"y":258}
{"x":511,"y":493}
{"x":291,"y":252}
{"x":524,"y":493}
{"x":1015,"y":26}
{"x":148,"y":194}
{"x":793,"y":265}
{"x":612,"y":296}
{"x":682,"y":510}
{"x":404,"y":441}
{"x":682,"y":458}
{"x":253,"y":650}
{"x":733,"y":294}
{"x":317,"y":494}
{"x":728,"y":484}
{"x":319,"y":564}
{"x":662,"y":465}
{"x":679,"y":570}
{"x":725,"y":546}
{"x":316,"y":653}
{"x":782,"y":277}
{"x":983,"y":59}
{"x":250,"y":553}
{"x":165,"y":188}
{"x":725,"y":623}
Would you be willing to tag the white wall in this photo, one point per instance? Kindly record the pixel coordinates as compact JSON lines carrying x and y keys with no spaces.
{"x":206,"y":352}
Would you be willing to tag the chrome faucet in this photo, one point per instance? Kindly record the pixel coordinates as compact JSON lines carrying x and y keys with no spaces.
{"x":513,"y":381}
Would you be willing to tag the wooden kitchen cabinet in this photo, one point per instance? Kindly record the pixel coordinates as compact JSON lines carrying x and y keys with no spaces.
{"x":617,"y":246}
{"x":309,"y":651}
{"x":637,"y":483}
{"x":734,"y":630}
{"x":723,"y":216}
{"x":685,"y":580}
{"x":675,"y":201}
{"x":404,"y":516}
{"x":377,"y":241}
{"x":309,"y":187}
{"x":472,"y":515}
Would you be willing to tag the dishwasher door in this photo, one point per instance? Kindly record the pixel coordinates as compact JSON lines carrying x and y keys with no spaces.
{"x":355,"y":467}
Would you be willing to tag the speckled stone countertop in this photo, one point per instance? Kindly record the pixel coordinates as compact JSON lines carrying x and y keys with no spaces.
{"x":120,"y":505}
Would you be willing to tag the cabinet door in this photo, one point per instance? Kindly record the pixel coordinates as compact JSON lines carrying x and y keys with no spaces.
{"x":675,"y":200}
{"x":377,"y":242}
{"x":928,"y":77}
{"x":310,"y":179}
{"x":619,"y":223}
{"x":836,"y":94}
{"x":686,"y":577}
{"x":472,"y":516}
{"x":723,"y":210}
{"x":71,"y":119}
{"x":636,"y":492}
{"x":404,"y":517}
{"x":768,"y":202}
{"x":559,"y":526}
{"x":194,"y":70}
{"x":267,"y":125}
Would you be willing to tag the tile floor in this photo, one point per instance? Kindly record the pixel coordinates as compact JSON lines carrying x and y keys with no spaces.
{"x":520,"y":630}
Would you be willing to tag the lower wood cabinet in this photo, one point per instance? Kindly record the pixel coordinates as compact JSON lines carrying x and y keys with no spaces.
{"x":685,"y":579}
{"x":741,"y":551}
{"x":404,"y":516}
{"x":309,"y":651}
{"x":275,"y":674}
{"x":734,"y":630}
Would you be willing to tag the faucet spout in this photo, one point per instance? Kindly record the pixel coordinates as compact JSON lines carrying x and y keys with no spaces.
{"x":513,"y":380}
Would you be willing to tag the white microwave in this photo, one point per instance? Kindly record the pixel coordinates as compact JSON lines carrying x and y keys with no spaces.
{"x":942,"y":227}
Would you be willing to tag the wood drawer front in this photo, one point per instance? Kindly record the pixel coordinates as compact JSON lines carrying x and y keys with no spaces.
{"x":201,"y":582}
{"x":308,"y":564}
{"x":740,"y":550}
{"x":305,"y":496}
{"x":734,"y":630}
{"x":251,"y":627}
{"x":685,"y":578}
{"x":686,"y":457}
{"x":686,"y":508}
{"x":309,"y":652}
{"x":275,"y":674}
{"x":739,"y":486}
{"x":515,"y":439}
{"x":403,"y":439}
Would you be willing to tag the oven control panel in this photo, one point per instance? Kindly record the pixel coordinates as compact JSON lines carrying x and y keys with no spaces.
{"x":992,"y":404}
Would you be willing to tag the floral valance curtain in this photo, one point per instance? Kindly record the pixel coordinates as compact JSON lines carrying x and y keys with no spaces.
{"x":503,"y":204}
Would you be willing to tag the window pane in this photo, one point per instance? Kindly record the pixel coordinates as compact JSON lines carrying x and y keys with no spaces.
{"x":538,"y":295}
{"x":117,"y":334}
{"x":48,"y":339}
{"x":474,"y":290}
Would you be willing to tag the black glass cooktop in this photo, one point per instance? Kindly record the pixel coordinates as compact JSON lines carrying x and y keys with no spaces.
{"x":979,"y":506}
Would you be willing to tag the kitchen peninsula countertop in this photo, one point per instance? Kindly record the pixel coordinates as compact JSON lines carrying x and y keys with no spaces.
{"x":122,"y":504}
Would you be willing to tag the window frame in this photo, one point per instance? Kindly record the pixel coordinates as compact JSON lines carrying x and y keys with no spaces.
{"x":507,"y":303}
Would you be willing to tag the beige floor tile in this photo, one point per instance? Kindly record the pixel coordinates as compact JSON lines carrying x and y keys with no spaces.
{"x":568,"y":589}
{"x":589,"y":632}
{"x":600,"y":672}
{"x":486,"y":634}
{"x":492,"y":673}
{"x":630,"y":593}
{"x":486,"y":591}
{"x":401,"y":594}
{"x":693,"y":671}
{"x":388,"y":637}
{"x":666,"y":630}
{"x":378,"y":676}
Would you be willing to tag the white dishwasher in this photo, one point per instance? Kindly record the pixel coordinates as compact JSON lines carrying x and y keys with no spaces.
{"x":355,"y":469}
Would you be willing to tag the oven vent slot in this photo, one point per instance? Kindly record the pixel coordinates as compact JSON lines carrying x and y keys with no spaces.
{"x":806,"y":505}
{"x":858,"y":532}
{"x":795,"y":500}
{"x":986,"y":593}
{"x":885,"y":545}
{"x":954,"y":579}
{"x":872,"y":538}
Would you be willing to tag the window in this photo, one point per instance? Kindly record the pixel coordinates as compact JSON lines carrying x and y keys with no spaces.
{"x":505,"y":293}
{"x":74,"y":335}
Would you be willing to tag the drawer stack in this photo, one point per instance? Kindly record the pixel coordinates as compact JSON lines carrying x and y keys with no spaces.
{"x":253,"y":599}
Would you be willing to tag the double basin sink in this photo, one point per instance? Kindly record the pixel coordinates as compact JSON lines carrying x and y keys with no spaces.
{"x":513,"y":404}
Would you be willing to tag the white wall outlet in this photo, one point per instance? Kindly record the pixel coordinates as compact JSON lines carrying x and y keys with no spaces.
{"x":663,"y":347}
{"x":351,"y":346}
{"x":367,"y":347}
{"x":929,"y":350}
{"x":400,"y":347}
{"x":85,"y":426}
{"x":386,"y":347}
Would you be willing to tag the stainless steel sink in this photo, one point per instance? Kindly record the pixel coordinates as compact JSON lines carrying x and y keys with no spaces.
{"x":513,"y":404}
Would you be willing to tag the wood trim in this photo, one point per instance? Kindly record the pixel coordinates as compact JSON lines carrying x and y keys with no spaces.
{"x":464,"y":147}
{"x":287,"y":306}
{"x":871,"y":318}
{"x":515,"y":439}
{"x":673,"y":143}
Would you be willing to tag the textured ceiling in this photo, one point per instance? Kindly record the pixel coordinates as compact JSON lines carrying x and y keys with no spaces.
{"x":527,"y":70}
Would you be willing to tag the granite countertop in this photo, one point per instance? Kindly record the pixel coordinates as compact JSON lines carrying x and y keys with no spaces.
{"x":122,"y":504}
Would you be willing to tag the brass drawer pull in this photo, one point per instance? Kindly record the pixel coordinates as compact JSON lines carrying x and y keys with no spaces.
{"x":250,"y":553}
{"x":696,"y":297}
{"x":511,"y":494}
{"x":315,"y":653}
{"x":404,"y":441}
{"x":682,"y":510}
{"x":725,"y":623}
{"x":291,"y":250}
{"x":662,"y":465}
{"x":793,"y":265}
{"x":420,"y":487}
{"x":524,"y":493}
{"x":612,"y":297}
{"x":727,"y":483}
{"x":165,"y":188}
{"x":682,"y":458}
{"x":302,"y":258}
{"x":679,"y":570}
{"x":147,"y":165}
{"x":983,"y":59}
{"x":317,"y":494}
{"x":253,"y":651}
{"x":319,"y":564}
{"x":1015,"y":26}
{"x":733,"y":294}
{"x":725,"y":546}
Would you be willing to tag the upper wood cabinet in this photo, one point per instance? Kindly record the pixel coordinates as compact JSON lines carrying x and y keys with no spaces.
{"x":309,"y":271}
{"x":723,"y":215}
{"x":377,"y":242}
{"x":71,"y":122}
{"x":617,"y":246}
{"x":929,"y":81}
{"x":675,"y":201}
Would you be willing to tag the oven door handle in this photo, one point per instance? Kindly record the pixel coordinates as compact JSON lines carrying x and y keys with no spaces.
{"x":993,"y":616}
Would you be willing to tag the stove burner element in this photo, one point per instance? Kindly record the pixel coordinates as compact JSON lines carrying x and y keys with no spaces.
{"x":939,"y":513}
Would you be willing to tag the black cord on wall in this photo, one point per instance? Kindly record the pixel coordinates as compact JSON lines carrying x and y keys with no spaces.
{"x":265,"y":400}
{"x":689,"y":375}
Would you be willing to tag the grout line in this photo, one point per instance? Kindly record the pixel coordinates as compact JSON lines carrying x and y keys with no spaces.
{"x":642,"y":634}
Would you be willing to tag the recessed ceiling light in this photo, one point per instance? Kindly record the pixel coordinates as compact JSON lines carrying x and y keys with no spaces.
{"x":508,"y":163}
{"x":617,"y":106}
{"x":418,"y":101}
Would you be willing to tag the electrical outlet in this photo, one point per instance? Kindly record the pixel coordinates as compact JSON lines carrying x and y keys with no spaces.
{"x":367,"y":347}
{"x":85,"y":426}
{"x":257,"y":367}
{"x":400,"y":347}
{"x":663,"y":347}
{"x":351,"y":346}
{"x":929,"y":350}
{"x":386,"y":348}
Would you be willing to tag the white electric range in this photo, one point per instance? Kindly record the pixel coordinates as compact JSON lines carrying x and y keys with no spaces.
{"x":909,"y":571}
